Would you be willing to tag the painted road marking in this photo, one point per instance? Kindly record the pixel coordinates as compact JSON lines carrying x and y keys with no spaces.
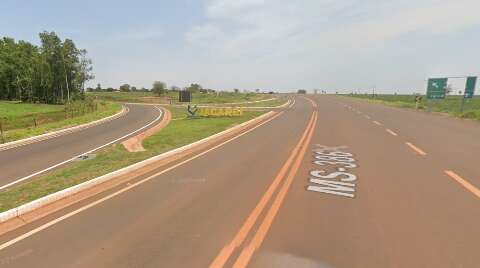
{"x":241,"y":235}
{"x":314,"y":104}
{"x":416,"y":149}
{"x":66,"y":216}
{"x":256,"y":242}
{"x":464,"y":183}
{"x":377,"y":123}
{"x":336,"y":182}
{"x":391,"y":132}
{"x":160,"y":113}
{"x":368,"y":117}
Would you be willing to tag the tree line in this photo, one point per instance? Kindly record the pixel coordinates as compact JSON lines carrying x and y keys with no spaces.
{"x":54,"y":72}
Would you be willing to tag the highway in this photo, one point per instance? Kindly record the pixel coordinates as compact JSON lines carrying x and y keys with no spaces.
{"x":21,"y":163}
{"x":331,"y":182}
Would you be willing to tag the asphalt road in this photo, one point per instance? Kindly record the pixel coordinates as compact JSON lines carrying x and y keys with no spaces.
{"x":24,"y":161}
{"x":329,"y":183}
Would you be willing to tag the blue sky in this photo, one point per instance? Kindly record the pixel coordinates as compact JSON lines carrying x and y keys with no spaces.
{"x":268,"y":44}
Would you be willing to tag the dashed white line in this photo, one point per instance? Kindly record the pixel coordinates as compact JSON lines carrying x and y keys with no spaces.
{"x":377,"y":123}
{"x":391,"y":132}
{"x":416,"y":149}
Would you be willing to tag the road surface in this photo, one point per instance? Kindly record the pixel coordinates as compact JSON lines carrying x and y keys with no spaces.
{"x":22,"y":162}
{"x":331,"y":182}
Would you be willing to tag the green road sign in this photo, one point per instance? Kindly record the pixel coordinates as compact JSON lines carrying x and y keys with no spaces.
{"x":436,"y":88}
{"x":470,"y":87}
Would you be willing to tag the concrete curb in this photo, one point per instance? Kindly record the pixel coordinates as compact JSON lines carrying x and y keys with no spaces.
{"x":61,"y":132}
{"x":43,"y":201}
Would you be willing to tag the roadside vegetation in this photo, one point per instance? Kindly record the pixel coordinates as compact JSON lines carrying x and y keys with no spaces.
{"x":54,"y":72}
{"x":179,"y":132}
{"x":20,"y":120}
{"x":450,"y":105}
{"x":197,"y":98}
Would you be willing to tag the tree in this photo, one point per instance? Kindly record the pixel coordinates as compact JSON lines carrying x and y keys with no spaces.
{"x":125,"y":88}
{"x":302,"y":91}
{"x":236,"y":90}
{"x":194,"y":88}
{"x":159,"y":88}
{"x":53,"y":72}
{"x":99,"y":87}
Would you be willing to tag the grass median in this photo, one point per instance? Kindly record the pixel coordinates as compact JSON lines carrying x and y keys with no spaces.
{"x":19,"y":119}
{"x":179,"y":132}
{"x":450,"y":105}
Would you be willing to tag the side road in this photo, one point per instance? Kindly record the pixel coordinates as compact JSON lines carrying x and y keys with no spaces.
{"x":21,"y":163}
{"x":61,"y":132}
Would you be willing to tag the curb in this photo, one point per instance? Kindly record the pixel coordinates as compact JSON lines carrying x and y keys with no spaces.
{"x":43,"y":201}
{"x":61,"y":132}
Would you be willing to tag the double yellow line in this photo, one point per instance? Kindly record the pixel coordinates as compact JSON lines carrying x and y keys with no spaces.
{"x":286,"y":174}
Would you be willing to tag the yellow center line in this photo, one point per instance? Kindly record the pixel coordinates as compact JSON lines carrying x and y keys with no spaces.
{"x":416,"y":149}
{"x":464,"y":183}
{"x":391,"y":132}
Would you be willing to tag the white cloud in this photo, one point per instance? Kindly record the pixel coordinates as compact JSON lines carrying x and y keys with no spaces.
{"x":283,"y":38}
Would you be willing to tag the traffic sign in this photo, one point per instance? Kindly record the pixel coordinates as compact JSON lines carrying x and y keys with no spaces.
{"x":470,"y":87}
{"x":436,"y":88}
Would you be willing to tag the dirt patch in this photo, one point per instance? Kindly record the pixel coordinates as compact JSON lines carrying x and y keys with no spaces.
{"x":134,"y":144}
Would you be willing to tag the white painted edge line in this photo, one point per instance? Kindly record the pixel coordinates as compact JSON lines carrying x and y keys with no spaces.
{"x":25,"y":208}
{"x":87,"y":152}
{"x":57,"y":133}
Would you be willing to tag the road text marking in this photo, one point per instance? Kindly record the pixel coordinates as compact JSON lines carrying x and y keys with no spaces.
{"x":338,"y":182}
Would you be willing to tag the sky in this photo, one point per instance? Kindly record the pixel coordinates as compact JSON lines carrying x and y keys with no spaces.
{"x":281,"y":45}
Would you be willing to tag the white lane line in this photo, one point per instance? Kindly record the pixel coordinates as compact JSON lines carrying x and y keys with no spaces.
{"x":90,"y":151}
{"x":66,"y":216}
{"x":391,"y":132}
{"x":377,"y":123}
{"x":467,"y":185}
{"x":368,"y":117}
{"x":416,"y":149}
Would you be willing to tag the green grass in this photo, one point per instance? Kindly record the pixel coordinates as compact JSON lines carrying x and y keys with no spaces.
{"x":176,"y":134}
{"x":15,"y":109}
{"x":450,"y":105}
{"x":198,"y":98}
{"x":18,"y":121}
